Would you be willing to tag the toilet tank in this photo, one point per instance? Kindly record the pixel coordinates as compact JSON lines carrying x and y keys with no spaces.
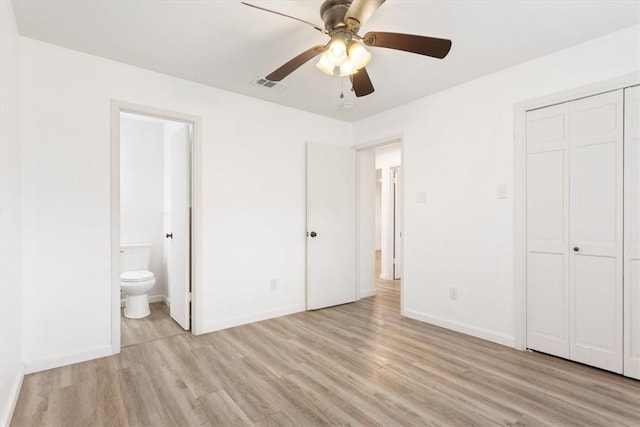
{"x":134,"y":256}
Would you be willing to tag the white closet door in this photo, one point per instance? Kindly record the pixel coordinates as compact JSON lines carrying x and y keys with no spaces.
{"x":632,"y":234}
{"x":548,"y":230}
{"x":596,"y":227}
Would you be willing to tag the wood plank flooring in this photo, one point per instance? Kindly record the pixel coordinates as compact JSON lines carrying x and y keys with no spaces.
{"x":356,"y":364}
{"x":158,"y":324}
{"x":383,"y":283}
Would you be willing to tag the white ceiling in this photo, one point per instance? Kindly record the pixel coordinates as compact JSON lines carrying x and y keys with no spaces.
{"x":227,"y":45}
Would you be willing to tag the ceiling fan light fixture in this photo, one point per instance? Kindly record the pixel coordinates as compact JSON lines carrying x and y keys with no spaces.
{"x":325,"y":65}
{"x":337,"y":51}
{"x":347,"y":69}
{"x":359,"y":55}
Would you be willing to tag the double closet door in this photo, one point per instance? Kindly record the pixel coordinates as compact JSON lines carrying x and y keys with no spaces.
{"x":582,"y":213}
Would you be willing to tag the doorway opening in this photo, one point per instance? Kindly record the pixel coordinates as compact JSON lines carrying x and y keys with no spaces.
{"x":388,"y":225}
{"x":153,"y":222}
{"x":380,"y":220}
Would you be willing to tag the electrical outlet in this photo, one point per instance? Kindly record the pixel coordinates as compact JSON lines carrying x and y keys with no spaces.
{"x":274,"y":284}
{"x":453,"y":293}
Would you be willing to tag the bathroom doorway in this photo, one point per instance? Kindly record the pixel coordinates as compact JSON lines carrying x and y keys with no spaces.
{"x":153,"y":156}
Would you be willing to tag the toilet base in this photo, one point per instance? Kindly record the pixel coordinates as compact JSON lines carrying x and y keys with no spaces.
{"x":136,"y":306}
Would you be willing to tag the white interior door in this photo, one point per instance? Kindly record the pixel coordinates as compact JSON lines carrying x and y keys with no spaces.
{"x":331,"y":226}
{"x":596,"y":231}
{"x":632,"y":233}
{"x":179,"y":202}
{"x":548,"y":230}
{"x":397,"y":223}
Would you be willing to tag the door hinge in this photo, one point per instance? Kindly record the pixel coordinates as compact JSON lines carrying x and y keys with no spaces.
{"x":190,"y":296}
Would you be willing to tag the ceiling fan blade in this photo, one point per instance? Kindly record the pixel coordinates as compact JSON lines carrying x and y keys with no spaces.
{"x":422,"y":45}
{"x":361,"y":83}
{"x":361,"y":11}
{"x":295,"y":63}
{"x":322,"y":30}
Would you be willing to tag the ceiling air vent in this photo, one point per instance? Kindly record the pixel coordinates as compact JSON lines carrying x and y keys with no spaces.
{"x":268,"y":84}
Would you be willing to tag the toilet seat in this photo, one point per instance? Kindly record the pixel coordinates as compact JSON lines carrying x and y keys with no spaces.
{"x":136,"y":276}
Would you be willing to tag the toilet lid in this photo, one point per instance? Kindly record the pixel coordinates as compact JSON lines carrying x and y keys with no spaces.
{"x":136,"y":276}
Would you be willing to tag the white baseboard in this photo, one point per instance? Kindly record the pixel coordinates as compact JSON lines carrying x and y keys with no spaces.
{"x":7,"y":412}
{"x":67,"y":359}
{"x":152,"y":299}
{"x":474,"y":331}
{"x":255,"y":317}
{"x":158,"y":298}
{"x":367,"y":293}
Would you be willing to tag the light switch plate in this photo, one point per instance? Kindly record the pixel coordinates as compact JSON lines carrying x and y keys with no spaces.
{"x":502,"y":191}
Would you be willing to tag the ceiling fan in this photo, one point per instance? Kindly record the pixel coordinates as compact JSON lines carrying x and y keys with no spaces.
{"x":346,"y":49}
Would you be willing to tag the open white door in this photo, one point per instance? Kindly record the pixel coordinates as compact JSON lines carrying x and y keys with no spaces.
{"x":397,"y":223}
{"x":178,"y":187}
{"x":331,"y":226}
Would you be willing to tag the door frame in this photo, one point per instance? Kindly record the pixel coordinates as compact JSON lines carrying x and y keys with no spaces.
{"x":397,"y":212}
{"x":520,"y":186}
{"x":364,"y":245}
{"x":117,"y":107}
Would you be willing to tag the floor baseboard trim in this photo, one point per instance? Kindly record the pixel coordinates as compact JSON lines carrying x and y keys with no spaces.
{"x":67,"y":359}
{"x":152,"y":299}
{"x":484,"y":334}
{"x":367,"y":293}
{"x":14,"y":393}
{"x":256,"y":317}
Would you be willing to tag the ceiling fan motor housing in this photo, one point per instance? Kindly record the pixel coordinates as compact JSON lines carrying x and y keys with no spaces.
{"x":333,"y":13}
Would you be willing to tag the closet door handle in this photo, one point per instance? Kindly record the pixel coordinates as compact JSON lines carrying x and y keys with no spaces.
{"x":169,"y":235}
{"x":576,"y":249}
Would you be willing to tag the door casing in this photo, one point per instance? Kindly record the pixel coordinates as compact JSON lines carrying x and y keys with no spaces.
{"x":117,"y":107}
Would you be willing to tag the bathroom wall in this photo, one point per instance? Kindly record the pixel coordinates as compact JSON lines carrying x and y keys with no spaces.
{"x":142,"y":191}
{"x":11,"y":296}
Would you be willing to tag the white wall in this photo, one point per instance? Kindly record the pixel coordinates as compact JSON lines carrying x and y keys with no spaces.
{"x":11,"y":367}
{"x":458,"y":146}
{"x":142,"y":191}
{"x":253,"y":201}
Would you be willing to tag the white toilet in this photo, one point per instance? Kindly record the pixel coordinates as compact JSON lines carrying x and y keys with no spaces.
{"x":135,"y":278}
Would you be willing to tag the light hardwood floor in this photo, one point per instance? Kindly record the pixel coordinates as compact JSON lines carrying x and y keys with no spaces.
{"x":382,"y":283}
{"x":158,"y":324}
{"x":356,"y":364}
